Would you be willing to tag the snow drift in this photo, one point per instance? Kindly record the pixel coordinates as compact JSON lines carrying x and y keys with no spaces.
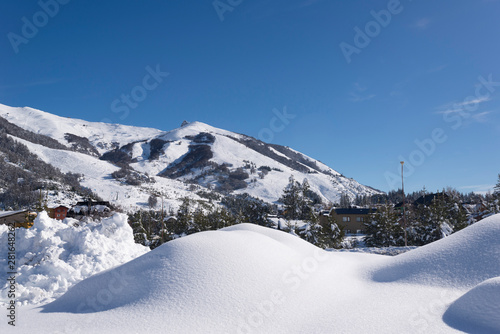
{"x":478,"y":310}
{"x":54,"y":255}
{"x":202,"y":272}
{"x":251,"y":279}
{"x":241,"y":279}
{"x":464,"y":259}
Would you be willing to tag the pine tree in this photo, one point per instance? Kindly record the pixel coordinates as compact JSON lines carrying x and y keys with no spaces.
{"x":423,"y":228}
{"x":240,"y":218}
{"x":184,"y":218}
{"x":152,"y":201}
{"x":442,"y":217}
{"x":291,"y":199}
{"x":222,"y":218}
{"x":384,"y":229}
{"x":459,"y":216}
{"x":332,"y":234}
{"x":305,"y":202}
{"x":140,"y":233}
{"x":496,"y":189}
{"x":200,"y":222}
{"x":42,"y":202}
{"x":492,"y":203}
{"x":345,"y":201}
{"x":311,"y":230}
{"x":291,"y":227}
{"x":441,"y":224}
{"x":297,"y":199}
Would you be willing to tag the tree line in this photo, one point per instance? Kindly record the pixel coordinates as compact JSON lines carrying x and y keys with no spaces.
{"x":152,"y":228}
{"x":417,"y":224}
{"x":299,"y":214}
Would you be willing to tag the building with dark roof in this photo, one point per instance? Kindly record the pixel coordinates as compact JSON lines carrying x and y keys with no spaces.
{"x":351,"y":219}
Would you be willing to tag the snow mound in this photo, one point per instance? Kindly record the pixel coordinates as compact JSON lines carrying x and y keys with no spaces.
{"x":53,"y":255}
{"x":478,"y":310}
{"x":244,"y":279}
{"x":209,"y":268}
{"x":464,"y":259}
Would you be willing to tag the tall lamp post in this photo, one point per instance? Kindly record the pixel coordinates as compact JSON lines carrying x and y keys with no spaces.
{"x":162,"y":222}
{"x":404,"y":204}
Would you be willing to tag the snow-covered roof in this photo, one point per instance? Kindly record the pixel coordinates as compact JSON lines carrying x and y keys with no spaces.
{"x":4,"y":214}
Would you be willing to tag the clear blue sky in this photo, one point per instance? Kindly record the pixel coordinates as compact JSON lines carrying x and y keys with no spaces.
{"x":360,"y":100}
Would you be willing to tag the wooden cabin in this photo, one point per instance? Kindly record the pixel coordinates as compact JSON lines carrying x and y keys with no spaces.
{"x":59,"y":212}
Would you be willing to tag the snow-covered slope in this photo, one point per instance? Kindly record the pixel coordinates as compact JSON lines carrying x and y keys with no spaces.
{"x":102,"y":136}
{"x":251,"y":279}
{"x":97,"y":177}
{"x":242,"y":152}
{"x":194,"y":153}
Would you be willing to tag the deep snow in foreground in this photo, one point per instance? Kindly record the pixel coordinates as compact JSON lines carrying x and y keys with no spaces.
{"x":250,"y":279}
{"x":478,"y":310}
{"x":53,"y":255}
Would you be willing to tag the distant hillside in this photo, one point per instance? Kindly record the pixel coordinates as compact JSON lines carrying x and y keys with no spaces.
{"x":127,"y":164}
{"x":23,"y":173}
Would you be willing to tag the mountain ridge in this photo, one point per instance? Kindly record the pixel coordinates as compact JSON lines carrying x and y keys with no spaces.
{"x":195,"y":155}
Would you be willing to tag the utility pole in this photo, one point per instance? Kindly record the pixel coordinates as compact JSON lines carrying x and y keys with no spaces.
{"x":404,"y":203}
{"x":162,"y":222}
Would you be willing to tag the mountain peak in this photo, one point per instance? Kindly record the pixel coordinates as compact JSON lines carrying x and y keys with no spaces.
{"x":195,"y":125}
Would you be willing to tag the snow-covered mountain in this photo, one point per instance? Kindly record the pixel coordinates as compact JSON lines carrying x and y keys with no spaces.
{"x":176,"y":163}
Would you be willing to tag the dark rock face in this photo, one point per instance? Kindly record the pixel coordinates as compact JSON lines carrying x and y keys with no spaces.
{"x":198,"y":156}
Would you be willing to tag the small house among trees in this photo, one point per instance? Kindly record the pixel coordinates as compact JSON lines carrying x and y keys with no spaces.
{"x":352,"y":220}
{"x":59,"y":212}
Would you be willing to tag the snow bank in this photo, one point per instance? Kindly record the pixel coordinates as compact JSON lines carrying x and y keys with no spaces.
{"x":251,"y":279}
{"x":478,"y":310}
{"x":464,"y":259}
{"x":53,"y":255}
{"x":204,"y":270}
{"x":242,"y":279}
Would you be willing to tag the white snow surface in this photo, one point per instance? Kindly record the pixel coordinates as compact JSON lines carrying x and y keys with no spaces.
{"x":54,"y":255}
{"x":478,"y":310}
{"x":251,"y":279}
